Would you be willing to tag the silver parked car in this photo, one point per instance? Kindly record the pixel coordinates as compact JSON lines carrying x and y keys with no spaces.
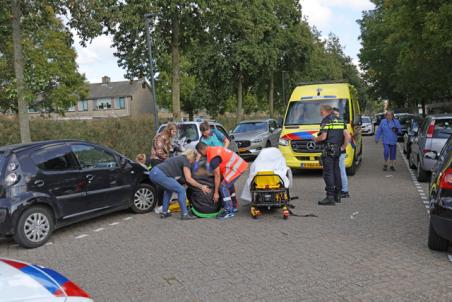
{"x":252,"y":136}
{"x":189,"y":134}
{"x":432,"y":136}
{"x":367,"y":126}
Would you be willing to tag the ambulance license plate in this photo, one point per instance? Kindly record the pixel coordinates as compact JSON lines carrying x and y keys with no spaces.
{"x":310,"y":165}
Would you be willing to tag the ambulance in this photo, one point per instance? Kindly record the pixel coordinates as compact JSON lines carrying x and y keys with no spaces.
{"x":302,"y":124}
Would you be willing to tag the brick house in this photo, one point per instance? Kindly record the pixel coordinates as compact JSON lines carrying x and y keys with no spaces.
{"x":111,"y":99}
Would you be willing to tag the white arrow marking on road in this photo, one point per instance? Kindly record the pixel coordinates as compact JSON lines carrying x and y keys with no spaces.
{"x":98,"y":230}
{"x":81,"y":236}
{"x":127,"y":218}
{"x":114,"y":223}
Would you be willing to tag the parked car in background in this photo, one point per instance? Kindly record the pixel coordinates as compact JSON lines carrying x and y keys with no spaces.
{"x":21,"y":281}
{"x":440,"y":228}
{"x":378,"y":117}
{"x":411,"y":134}
{"x":253,"y":136}
{"x":405,"y":121}
{"x":50,"y":184}
{"x":367,"y":127}
{"x":432,"y":136}
{"x":189,"y":134}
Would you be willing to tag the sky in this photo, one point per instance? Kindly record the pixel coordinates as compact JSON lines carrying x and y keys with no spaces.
{"x":335,"y":16}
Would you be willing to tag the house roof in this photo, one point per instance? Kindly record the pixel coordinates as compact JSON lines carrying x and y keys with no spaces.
{"x":114,"y":89}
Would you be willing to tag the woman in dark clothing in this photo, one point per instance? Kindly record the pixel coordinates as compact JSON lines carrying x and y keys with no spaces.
{"x":166,"y":175}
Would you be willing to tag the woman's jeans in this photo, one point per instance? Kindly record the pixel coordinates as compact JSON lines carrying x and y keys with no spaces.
{"x":390,"y":151}
{"x":343,"y":172}
{"x":170,"y":185}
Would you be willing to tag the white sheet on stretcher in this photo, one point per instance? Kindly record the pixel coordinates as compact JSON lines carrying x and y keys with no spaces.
{"x":269,"y":159}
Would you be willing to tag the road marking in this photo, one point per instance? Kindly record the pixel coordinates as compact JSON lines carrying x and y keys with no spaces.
{"x":354,"y":215}
{"x":49,"y":243}
{"x":98,"y":230}
{"x":416,"y":183}
{"x":114,"y":223}
{"x":81,"y":236}
{"x":127,"y":218}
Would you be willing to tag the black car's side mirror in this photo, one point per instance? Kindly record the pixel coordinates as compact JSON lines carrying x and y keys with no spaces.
{"x":431,"y":155}
{"x":231,"y":136}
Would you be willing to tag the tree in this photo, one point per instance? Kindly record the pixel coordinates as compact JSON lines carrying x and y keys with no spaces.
{"x":50,"y":70}
{"x":85,"y":15}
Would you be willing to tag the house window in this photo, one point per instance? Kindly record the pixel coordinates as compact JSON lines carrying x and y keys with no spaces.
{"x":71,"y":109}
{"x":120,"y":103}
{"x":82,"y":105}
{"x":103,"y":104}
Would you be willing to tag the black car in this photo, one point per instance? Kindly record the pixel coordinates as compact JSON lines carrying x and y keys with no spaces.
{"x":440,"y":229}
{"x":50,"y":184}
{"x":410,"y":134}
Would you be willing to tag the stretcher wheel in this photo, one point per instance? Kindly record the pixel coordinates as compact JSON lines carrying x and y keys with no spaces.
{"x":255,"y":212}
{"x":285,"y":213}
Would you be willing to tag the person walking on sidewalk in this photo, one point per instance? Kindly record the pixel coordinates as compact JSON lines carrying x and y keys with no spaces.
{"x":166,"y":175}
{"x":345,"y":192}
{"x":387,"y":130}
{"x":227,"y":167}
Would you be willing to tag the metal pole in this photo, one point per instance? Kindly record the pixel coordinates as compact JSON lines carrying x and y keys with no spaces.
{"x":151,"y":64}
{"x":283,"y":89}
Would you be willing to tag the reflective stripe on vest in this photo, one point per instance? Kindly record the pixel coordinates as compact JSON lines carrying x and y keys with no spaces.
{"x":231,"y":164}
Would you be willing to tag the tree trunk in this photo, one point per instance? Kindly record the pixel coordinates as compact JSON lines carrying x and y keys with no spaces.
{"x":271,"y":92}
{"x":239,"y":97}
{"x":175,"y":53}
{"x":24,"y":120}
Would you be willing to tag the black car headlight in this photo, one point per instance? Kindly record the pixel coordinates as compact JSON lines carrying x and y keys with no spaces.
{"x":3,"y":213}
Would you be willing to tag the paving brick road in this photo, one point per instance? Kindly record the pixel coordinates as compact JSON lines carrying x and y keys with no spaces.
{"x":371,"y":247}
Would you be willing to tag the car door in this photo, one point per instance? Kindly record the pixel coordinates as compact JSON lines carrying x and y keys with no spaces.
{"x":419,"y":142}
{"x":275,"y":133}
{"x":58,"y":175}
{"x":106,"y":185}
{"x":232,"y":146}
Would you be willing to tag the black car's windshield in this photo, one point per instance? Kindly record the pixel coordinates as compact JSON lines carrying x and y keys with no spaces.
{"x":366,"y":120}
{"x":251,"y":127}
{"x":308,"y":112}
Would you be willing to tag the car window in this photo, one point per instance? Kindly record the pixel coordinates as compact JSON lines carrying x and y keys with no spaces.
{"x":251,"y":127}
{"x":443,"y":128}
{"x":90,"y":157}
{"x":54,"y":158}
{"x":187,"y":131}
{"x":366,"y":119}
{"x":223,"y":131}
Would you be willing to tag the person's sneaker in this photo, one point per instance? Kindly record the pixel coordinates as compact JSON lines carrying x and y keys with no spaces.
{"x":385,"y":168}
{"x":165,"y":215}
{"x":327,"y":201}
{"x":225,"y":215}
{"x":235,"y":210}
{"x":337,"y":198}
{"x":345,"y":195}
{"x":392,"y":169}
{"x":187,"y":216}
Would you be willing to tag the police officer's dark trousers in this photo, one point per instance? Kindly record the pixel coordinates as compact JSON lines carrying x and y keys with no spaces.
{"x":332,"y":175}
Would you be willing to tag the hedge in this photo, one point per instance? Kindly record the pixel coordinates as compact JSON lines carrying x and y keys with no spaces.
{"x":129,"y":136}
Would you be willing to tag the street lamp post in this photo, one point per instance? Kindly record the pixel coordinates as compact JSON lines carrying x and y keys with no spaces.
{"x":147,"y":18}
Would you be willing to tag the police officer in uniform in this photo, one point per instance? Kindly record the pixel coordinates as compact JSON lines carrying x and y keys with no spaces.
{"x":334,"y":139}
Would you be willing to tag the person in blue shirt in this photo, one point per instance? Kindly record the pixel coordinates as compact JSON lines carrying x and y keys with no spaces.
{"x":213,"y":137}
{"x":387,"y":130}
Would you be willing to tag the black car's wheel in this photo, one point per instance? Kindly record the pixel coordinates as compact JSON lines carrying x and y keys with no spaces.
{"x":144,"y":199}
{"x":410,"y":162}
{"x":34,"y":227}
{"x":435,"y":242}
{"x":421,"y":174}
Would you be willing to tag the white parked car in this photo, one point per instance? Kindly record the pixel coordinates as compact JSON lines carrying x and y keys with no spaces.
{"x":20,"y":281}
{"x":367,"y":127}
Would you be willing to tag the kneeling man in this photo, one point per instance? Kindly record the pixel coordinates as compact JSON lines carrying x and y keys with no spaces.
{"x":227,"y":167}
